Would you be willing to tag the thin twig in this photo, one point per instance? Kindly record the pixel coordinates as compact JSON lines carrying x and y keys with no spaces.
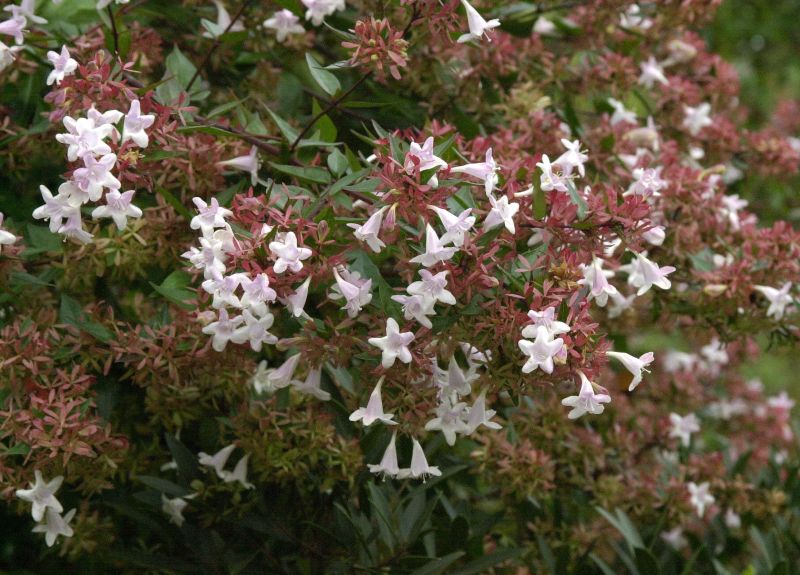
{"x":114,"y":30}
{"x":217,"y":43}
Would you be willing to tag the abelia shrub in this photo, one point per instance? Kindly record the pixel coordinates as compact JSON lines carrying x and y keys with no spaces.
{"x":413,"y":287}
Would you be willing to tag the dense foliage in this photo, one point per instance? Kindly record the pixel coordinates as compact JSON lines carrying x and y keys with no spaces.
{"x":413,"y":287}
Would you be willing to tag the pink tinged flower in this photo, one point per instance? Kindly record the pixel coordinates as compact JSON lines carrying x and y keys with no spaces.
{"x":596,"y":279}
{"x":435,"y":251}
{"x":479,"y":415}
{"x":256,"y":330}
{"x":41,"y":495}
{"x":356,"y":295}
{"x":655,"y":235}
{"x":572,"y":159}
{"x":781,"y":402}
{"x":282,"y":376}
{"x":14,"y":26}
{"x":695,"y":119}
{"x":63,"y":66}
{"x":73,"y":228}
{"x":7,"y":55}
{"x":394,"y":345}
{"x":6,"y":238}
{"x":502,"y":212}
{"x":311,"y":385}
{"x":419,"y":465}
{"x":84,"y":137}
{"x":675,"y":538}
{"x":587,"y":401}
{"x":779,"y":299}
{"x":621,"y":113}
{"x":652,"y":72}
{"x":632,"y":19}
{"x":416,"y":307}
{"x":218,"y":460}
{"x":422,"y":157}
{"x":432,"y":287}
{"x":368,"y":232}
{"x":317,"y":10}
{"x":478,"y":27}
{"x":547,"y":319}
{"x":647,"y":182}
{"x":456,"y":227}
{"x":209,"y":216}
{"x":25,"y":9}
{"x":288,"y":255}
{"x":135,"y":125}
{"x":644,"y":274}
{"x":109,"y":118}
{"x":549,"y":180}
{"x":249,"y":163}
{"x":454,"y":380}
{"x":682,"y":428}
{"x":55,"y":526}
{"x":119,"y":208}
{"x":485,"y":171}
{"x":374,"y":410}
{"x":449,"y":420}
{"x":699,"y":497}
{"x":620,"y":304}
{"x":95,"y":175}
{"x":731,"y":206}
{"x":239,"y":473}
{"x":284,"y":23}
{"x":296,"y":302}
{"x":223,"y":330}
{"x":173,"y":508}
{"x":541,"y":351}
{"x":388,"y":466}
{"x":257,"y":292}
{"x":732,"y":519}
{"x":636,"y":365}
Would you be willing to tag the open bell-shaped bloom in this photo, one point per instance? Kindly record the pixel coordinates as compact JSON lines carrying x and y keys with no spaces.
{"x":571,"y":159}
{"x":652,"y":72}
{"x":15,"y":26}
{"x":63,"y":65}
{"x":416,"y":307}
{"x":239,"y":473}
{"x":296,"y":302}
{"x":284,"y":23}
{"x":682,"y":427}
{"x":135,"y":124}
{"x":419,"y":465}
{"x":368,"y":231}
{"x":374,"y":410}
{"x":485,"y":171}
{"x":456,"y":227}
{"x":449,"y":420}
{"x":596,"y":279}
{"x":546,"y":318}
{"x":388,"y":466}
{"x":435,"y":251}
{"x":700,"y":497}
{"x":587,"y":401}
{"x":394,"y":345}
{"x":351,"y":287}
{"x":433,"y":287}
{"x":779,"y":299}
{"x":280,"y":377}
{"x":479,"y":415}
{"x":218,"y":460}
{"x":83,"y":137}
{"x":42,"y":495}
{"x":697,"y":118}
{"x":422,"y":157}
{"x":478,"y":26}
{"x":288,"y":255}
{"x":55,"y":526}
{"x":6,"y":238}
{"x":95,"y":175}
{"x":502,"y":212}
{"x":636,"y":365}
{"x":311,"y":385}
{"x":541,"y":351}
{"x":173,"y":508}
{"x":621,"y":113}
{"x":644,"y":274}
{"x":209,"y":216}
{"x":249,"y":163}
{"x":224,"y":329}
{"x":223,"y":23}
{"x":119,"y":208}
{"x":550,"y":180}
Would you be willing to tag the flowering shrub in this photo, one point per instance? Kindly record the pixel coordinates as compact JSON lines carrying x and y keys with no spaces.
{"x":323,"y":287}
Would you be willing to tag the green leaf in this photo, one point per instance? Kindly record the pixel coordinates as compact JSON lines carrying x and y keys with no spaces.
{"x":327,"y":81}
{"x":337,"y":162}
{"x":310,"y":174}
{"x":18,"y":449}
{"x":623,"y":524}
{"x":185,"y":459}
{"x":286,"y":129}
{"x":71,"y":313}
{"x":482,"y":564}
{"x":439,"y":565}
{"x":164,"y":486}
{"x":578,"y":200}
{"x":174,"y":288}
{"x":539,"y":203}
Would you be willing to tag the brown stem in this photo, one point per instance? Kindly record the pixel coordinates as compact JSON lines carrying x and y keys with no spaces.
{"x":114,"y":30}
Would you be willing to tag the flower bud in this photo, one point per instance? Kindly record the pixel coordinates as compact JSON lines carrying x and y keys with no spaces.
{"x":714,"y":290}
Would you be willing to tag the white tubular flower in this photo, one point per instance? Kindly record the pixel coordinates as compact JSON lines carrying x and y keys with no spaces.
{"x":374,"y":410}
